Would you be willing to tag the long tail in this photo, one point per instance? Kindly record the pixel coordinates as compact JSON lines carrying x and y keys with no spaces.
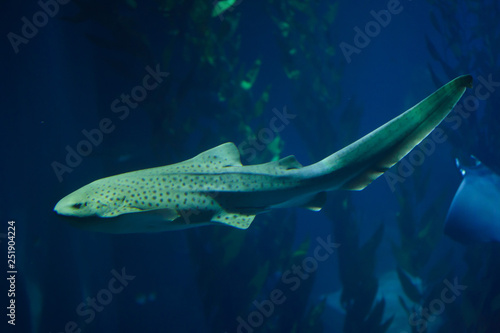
{"x":357,"y":165}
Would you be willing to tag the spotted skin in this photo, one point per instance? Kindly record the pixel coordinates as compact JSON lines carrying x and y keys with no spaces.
{"x":183,"y":189}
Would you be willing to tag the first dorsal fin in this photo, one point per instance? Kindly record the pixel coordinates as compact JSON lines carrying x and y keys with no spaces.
{"x":212,"y":160}
{"x":224,"y":155}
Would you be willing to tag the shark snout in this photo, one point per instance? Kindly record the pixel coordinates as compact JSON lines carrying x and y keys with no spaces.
{"x":70,"y":206}
{"x":64,"y":207}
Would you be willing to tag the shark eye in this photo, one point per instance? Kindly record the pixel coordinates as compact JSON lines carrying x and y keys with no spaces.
{"x":77,"y":206}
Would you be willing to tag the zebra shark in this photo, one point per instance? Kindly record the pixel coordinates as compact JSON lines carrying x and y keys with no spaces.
{"x":215,"y":188}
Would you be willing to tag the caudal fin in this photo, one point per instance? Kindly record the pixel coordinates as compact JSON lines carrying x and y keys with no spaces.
{"x":360,"y":163}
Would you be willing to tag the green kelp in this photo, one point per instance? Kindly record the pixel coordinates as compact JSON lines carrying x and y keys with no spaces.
{"x":222,"y":5}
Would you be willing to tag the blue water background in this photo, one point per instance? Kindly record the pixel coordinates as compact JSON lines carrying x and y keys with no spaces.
{"x":60,"y":83}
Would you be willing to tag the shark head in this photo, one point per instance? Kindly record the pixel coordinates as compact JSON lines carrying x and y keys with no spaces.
{"x":128,"y":205}
{"x":95,"y":199}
